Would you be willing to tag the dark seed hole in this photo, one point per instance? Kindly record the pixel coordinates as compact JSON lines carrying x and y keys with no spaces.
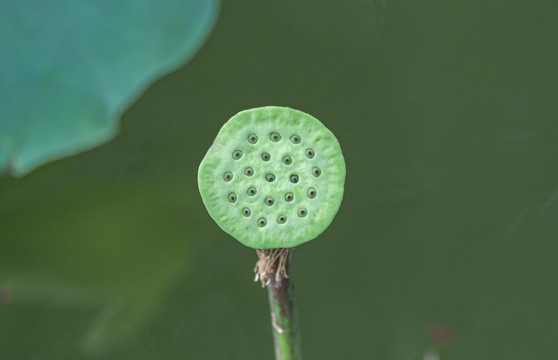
{"x":237,"y":154}
{"x":312,"y":193}
{"x":252,"y":138}
{"x":310,"y":153}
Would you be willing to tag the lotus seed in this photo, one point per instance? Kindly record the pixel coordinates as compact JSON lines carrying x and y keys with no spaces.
{"x":252,"y":138}
{"x":311,"y":193}
{"x":281,"y":219}
{"x":252,"y":191}
{"x":248,"y":171}
{"x":246,"y":212}
{"x":266,"y":156}
{"x":228,"y":176}
{"x":275,"y":137}
{"x":295,"y":139}
{"x":232,"y":197}
{"x":316,"y":171}
{"x":310,"y":153}
{"x":294,"y":179}
{"x":237,"y":154}
{"x":287,"y":160}
{"x":289,"y":197}
{"x":269,"y":201}
{"x":302,"y":212}
{"x":262,"y":222}
{"x":270,"y":177}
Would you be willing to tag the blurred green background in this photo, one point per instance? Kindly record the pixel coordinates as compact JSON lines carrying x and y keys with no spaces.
{"x":445,"y":246}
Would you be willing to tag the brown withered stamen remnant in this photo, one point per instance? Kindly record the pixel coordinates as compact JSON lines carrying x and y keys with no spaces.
{"x":272,"y":263}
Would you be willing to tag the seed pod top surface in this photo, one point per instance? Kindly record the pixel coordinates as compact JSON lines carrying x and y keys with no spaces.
{"x":273,"y":178}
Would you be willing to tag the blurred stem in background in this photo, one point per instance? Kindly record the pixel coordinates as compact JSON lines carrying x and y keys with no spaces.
{"x":273,"y":269}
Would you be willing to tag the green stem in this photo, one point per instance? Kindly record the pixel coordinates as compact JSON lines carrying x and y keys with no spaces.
{"x":282,"y":302}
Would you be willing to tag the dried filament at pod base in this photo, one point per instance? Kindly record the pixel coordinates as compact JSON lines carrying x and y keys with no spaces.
{"x":272,"y":262}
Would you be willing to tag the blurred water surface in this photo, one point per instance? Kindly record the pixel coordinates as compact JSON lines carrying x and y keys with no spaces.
{"x":445,"y":246}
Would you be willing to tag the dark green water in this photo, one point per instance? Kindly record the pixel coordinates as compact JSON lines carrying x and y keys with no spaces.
{"x":446,"y":244}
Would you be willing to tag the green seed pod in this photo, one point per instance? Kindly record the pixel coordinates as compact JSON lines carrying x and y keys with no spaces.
{"x":282,"y":206}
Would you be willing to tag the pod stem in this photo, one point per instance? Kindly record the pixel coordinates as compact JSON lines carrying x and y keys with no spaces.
{"x":273,"y":269}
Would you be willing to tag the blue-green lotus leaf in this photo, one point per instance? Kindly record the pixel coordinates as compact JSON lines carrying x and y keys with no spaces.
{"x":70,"y":68}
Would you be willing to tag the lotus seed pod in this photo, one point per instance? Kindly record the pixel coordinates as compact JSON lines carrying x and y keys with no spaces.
{"x":273,"y":178}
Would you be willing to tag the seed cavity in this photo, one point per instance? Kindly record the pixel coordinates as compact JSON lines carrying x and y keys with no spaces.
{"x":246,"y":212}
{"x":294,"y":179}
{"x":227,"y":176}
{"x":289,"y":196}
{"x":252,"y":191}
{"x":252,"y":138}
{"x":248,"y":171}
{"x":237,"y":154}
{"x":302,"y":212}
{"x":312,"y":193}
{"x":316,"y":171}
{"x":281,"y":219}
{"x":295,"y":139}
{"x":269,"y":201}
{"x":310,"y":153}
{"x":266,"y":156}
{"x":287,"y":160}
{"x":232,"y":197}
{"x":262,"y":222}
{"x":274,"y":137}
{"x":270,"y":177}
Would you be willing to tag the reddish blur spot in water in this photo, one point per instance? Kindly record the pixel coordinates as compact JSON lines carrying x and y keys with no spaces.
{"x":440,"y":334}
{"x":6,"y":294}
